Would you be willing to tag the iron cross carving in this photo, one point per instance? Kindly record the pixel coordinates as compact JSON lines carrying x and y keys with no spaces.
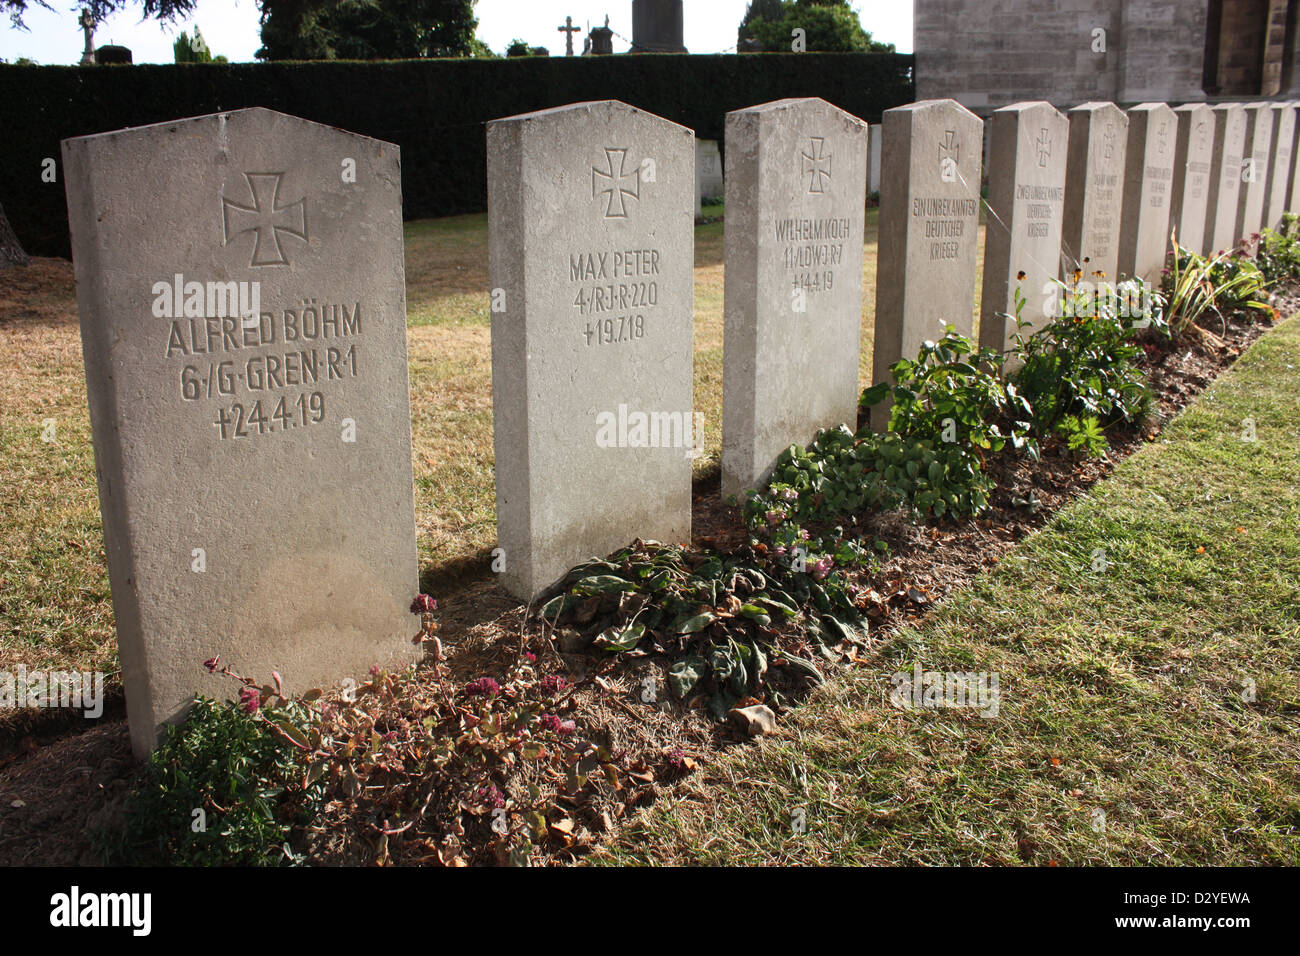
{"x":266,"y":218}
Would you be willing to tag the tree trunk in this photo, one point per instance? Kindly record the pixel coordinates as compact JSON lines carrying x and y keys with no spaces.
{"x":11,"y":252}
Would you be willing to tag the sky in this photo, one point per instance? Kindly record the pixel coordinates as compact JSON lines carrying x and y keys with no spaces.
{"x":230,"y":27}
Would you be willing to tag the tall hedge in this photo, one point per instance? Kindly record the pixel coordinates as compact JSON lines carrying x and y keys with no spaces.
{"x":434,"y":109}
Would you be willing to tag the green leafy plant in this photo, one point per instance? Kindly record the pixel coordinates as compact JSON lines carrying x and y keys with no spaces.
{"x":227,"y":786}
{"x":1083,"y":434}
{"x":1278,"y":255}
{"x":1196,"y":287}
{"x":1085,"y":362}
{"x":714,"y":614}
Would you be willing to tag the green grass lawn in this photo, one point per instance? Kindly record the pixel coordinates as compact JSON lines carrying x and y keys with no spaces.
{"x":1149,"y":712}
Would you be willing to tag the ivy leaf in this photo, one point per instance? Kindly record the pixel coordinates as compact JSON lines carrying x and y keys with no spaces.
{"x":620,"y":639}
{"x":691,"y":625}
{"x":685,"y":674}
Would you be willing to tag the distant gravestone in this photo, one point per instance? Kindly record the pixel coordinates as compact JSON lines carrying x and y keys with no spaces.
{"x":931,"y":154}
{"x":1022,"y":246}
{"x":1148,"y":184}
{"x":873,"y":159}
{"x":1281,"y":148}
{"x":244,"y":336}
{"x":1094,"y":189}
{"x":1191,"y":189}
{"x":708,"y":160}
{"x":1254,"y":173}
{"x":592,"y":265}
{"x":796,"y":200}
{"x":1293,"y":176}
{"x":1226,"y":167}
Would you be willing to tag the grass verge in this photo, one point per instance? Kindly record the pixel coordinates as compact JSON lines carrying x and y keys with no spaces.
{"x":1147,"y":650}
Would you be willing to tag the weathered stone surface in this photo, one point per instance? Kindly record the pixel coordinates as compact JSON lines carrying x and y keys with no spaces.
{"x":1094,"y":190}
{"x":1148,"y":184}
{"x":1022,"y":244}
{"x":1280,"y":152}
{"x":1225,"y":177}
{"x":253,"y":453}
{"x":590,"y":211}
{"x":796,"y":197}
{"x":931,"y":154}
{"x":1193,"y":157}
{"x":1254,"y":174}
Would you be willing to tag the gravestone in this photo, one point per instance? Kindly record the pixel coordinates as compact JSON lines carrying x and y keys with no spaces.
{"x":708,"y":173}
{"x":1191,"y":189}
{"x":244,"y":334}
{"x":708,"y":161}
{"x":1094,"y":189}
{"x":796,"y":200}
{"x":1225,"y":177}
{"x":1254,"y":174}
{"x":930,"y":159}
{"x":873,"y":158}
{"x":592,"y":262}
{"x":1281,"y":147}
{"x":1022,"y":245}
{"x":1293,"y":180}
{"x":1148,"y":185}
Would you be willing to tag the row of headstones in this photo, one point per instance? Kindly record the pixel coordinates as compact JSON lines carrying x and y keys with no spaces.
{"x":595,"y":327}
{"x":241,"y":287}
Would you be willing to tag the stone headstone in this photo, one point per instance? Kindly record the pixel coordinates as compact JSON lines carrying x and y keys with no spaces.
{"x":592,"y":264}
{"x":930,"y":160}
{"x":796,"y":200}
{"x":1254,"y":174}
{"x":1148,"y":184}
{"x":1094,"y":190}
{"x":873,"y":159}
{"x":1022,"y":242}
{"x":708,"y":173}
{"x":708,"y":160}
{"x":1225,"y":177}
{"x":1191,"y":189}
{"x":1281,"y":148}
{"x":1293,"y":180}
{"x":244,"y":334}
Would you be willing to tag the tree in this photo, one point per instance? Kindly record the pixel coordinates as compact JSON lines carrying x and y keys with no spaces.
{"x":194,"y":49}
{"x":367,"y":29}
{"x":828,"y":25}
{"x":100,"y":9}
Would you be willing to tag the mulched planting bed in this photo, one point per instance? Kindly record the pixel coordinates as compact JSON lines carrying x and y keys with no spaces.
{"x":58,"y":786}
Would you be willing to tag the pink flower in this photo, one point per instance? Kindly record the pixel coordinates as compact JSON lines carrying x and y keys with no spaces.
{"x":212,"y":663}
{"x":822,"y":566}
{"x":423,"y":604}
{"x":567,"y":727}
{"x":530,"y":657}
{"x":551,"y":722}
{"x":552,"y":684}
{"x":250,"y":699}
{"x":483,"y":687}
